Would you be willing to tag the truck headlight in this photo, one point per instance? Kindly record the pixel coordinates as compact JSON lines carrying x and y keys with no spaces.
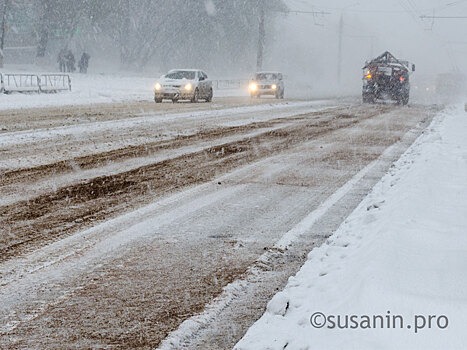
{"x":253,"y":86}
{"x":157,"y":87}
{"x":188,"y":87}
{"x":274,"y":86}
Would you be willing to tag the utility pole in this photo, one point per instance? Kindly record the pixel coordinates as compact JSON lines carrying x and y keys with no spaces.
{"x":261,"y":36}
{"x":339,"y":49}
{"x":262,"y":31}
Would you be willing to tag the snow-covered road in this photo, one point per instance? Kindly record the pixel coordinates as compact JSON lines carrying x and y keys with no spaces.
{"x":117,"y":228}
{"x":393,"y":275}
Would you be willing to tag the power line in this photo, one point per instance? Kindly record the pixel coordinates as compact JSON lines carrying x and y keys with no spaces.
{"x":335,"y":10}
{"x":443,"y":7}
{"x":410,"y":7}
{"x":443,"y":17}
{"x":310,"y":12}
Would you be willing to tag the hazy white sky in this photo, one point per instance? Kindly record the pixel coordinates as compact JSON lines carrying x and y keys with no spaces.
{"x":370,"y":27}
{"x":396,"y":25}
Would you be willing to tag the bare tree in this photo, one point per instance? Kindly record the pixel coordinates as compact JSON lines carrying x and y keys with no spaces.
{"x":4,"y":8}
{"x":162,"y":32}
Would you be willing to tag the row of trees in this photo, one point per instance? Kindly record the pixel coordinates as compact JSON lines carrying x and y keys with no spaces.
{"x":141,"y":32}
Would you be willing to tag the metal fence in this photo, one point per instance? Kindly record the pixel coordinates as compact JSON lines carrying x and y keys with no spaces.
{"x":48,"y":83}
{"x":14,"y":82}
{"x":54,"y":82}
{"x":20,"y":82}
{"x":225,"y":84}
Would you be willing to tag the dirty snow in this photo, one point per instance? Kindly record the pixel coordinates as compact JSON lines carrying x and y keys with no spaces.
{"x":396,"y":266}
{"x":401,"y":254}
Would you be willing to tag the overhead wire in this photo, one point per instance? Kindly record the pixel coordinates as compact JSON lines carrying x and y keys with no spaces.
{"x":451,"y":4}
{"x":409,"y":7}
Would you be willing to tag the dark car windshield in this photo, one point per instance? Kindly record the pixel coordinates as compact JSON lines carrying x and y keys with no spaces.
{"x":181,"y":74}
{"x":266,"y":76}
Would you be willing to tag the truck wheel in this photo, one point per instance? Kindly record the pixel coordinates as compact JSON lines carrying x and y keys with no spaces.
{"x":366,"y":98}
{"x":157,"y":100}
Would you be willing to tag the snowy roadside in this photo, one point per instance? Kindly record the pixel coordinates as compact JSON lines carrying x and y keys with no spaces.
{"x":393,"y":275}
{"x":94,"y":88}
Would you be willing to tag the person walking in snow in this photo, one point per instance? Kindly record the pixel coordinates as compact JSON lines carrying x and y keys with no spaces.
{"x":70,"y":61}
{"x":84,"y":63}
{"x":62,"y":60}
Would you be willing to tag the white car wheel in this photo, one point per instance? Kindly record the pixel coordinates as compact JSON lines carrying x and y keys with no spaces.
{"x":195,"y":97}
{"x":209,"y":97}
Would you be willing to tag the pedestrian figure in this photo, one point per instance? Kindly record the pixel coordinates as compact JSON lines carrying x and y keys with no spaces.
{"x":62,"y":60}
{"x":70,"y":61}
{"x":84,"y":62}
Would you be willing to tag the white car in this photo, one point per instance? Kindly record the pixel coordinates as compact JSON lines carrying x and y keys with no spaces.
{"x":267,"y":83}
{"x":183,"y":84}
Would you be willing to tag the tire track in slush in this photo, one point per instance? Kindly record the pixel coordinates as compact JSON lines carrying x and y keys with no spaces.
{"x":46,"y":218}
{"x":133,"y":299}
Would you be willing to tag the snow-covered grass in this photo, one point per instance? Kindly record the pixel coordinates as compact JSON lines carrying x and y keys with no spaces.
{"x":92,"y":88}
{"x":85,"y":89}
{"x":393,"y":275}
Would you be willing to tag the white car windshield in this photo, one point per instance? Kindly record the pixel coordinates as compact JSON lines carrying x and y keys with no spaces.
{"x":181,"y":74}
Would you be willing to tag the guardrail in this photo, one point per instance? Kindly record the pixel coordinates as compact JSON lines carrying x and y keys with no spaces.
{"x":20,"y":82}
{"x":229,"y":84}
{"x":46,"y":83}
{"x":54,"y":82}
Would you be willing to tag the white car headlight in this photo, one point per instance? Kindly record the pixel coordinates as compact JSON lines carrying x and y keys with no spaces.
{"x":253,"y":86}
{"x":188,"y":87}
{"x":274,"y":86}
{"x":157,"y":87}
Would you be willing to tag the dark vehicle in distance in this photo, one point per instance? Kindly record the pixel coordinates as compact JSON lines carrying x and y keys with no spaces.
{"x":386,"y":78}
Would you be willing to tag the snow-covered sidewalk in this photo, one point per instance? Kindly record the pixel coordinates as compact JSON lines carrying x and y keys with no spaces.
{"x":394,"y":275}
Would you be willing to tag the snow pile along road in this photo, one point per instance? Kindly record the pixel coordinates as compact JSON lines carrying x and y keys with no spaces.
{"x":94,"y":88}
{"x":393,"y":275}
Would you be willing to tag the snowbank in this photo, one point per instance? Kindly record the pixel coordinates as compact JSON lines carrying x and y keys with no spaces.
{"x":94,"y":88}
{"x":393,"y":275}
